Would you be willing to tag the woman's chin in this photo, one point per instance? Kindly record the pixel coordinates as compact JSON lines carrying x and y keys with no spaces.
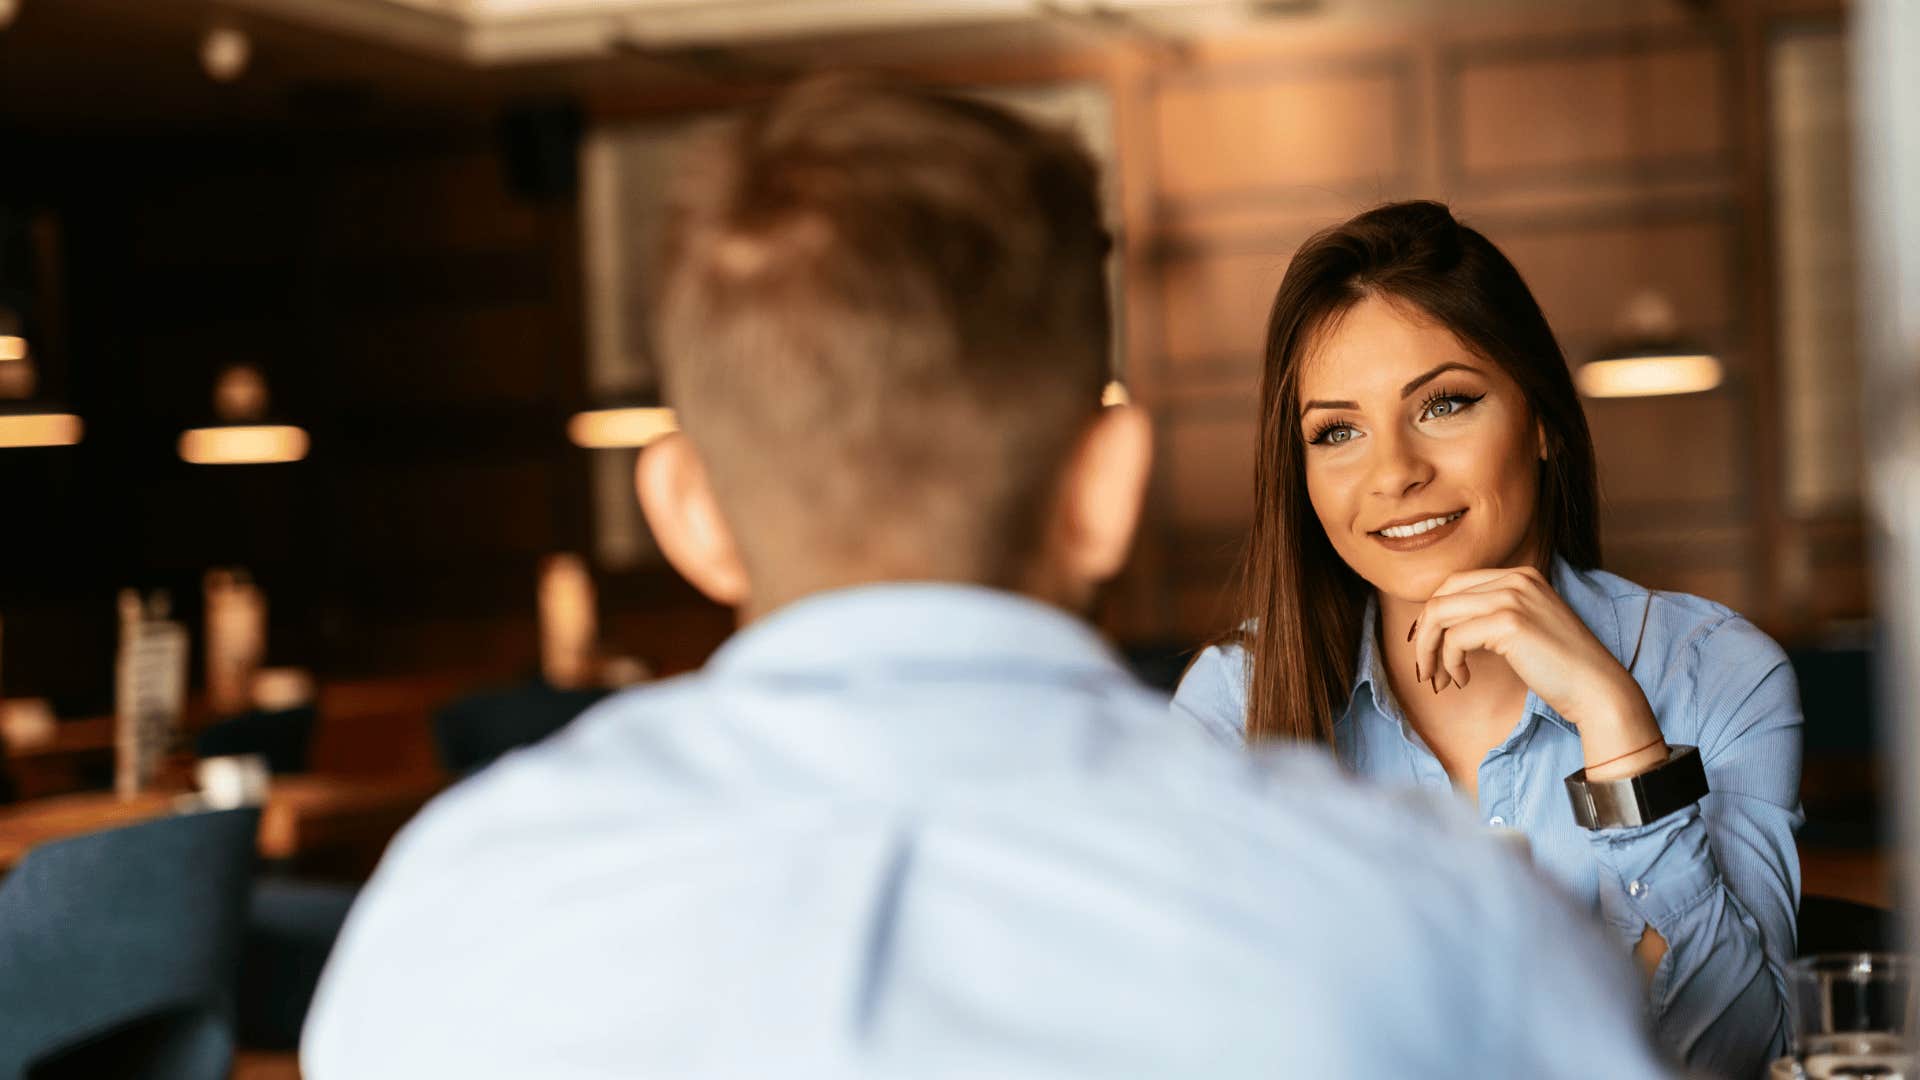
{"x":1411,"y":586}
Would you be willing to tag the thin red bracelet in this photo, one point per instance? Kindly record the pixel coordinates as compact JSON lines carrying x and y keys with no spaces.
{"x":1628,"y":754}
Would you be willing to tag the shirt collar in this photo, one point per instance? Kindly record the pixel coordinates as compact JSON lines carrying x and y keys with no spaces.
{"x":932,"y":625}
{"x":1585,"y":595}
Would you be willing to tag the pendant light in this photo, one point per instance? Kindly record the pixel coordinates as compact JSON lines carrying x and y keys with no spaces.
{"x":24,"y":421}
{"x":1649,"y":357}
{"x":628,"y":422}
{"x":243,"y":436}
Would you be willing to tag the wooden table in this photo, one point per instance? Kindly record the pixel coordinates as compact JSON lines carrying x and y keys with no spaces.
{"x":303,"y":813}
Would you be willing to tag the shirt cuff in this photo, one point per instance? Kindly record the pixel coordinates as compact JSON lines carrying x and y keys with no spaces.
{"x":1653,"y":874}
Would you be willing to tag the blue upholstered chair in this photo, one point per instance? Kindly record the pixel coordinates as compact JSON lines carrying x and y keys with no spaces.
{"x":118,"y":951}
{"x":472,"y":732}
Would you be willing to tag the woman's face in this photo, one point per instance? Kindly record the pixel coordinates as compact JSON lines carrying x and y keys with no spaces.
{"x":1422,"y":458}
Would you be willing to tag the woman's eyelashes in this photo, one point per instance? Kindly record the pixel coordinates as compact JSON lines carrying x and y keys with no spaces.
{"x":1332,"y":433}
{"x":1440,"y":405}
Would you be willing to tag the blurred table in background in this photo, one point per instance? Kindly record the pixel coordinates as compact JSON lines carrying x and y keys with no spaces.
{"x":1862,"y":875}
{"x":303,"y":816}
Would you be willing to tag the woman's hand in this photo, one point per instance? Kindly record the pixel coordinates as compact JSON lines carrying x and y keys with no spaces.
{"x":1515,"y":614}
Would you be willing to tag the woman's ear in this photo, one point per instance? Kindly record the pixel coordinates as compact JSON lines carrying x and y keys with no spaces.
{"x":1540,"y":436}
{"x":1102,"y":493}
{"x":679,"y":503}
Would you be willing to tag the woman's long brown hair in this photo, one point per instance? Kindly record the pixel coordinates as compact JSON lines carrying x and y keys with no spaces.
{"x":1300,"y":607}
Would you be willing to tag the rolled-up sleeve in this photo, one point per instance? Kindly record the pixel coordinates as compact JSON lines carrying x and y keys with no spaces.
{"x":1720,"y":880}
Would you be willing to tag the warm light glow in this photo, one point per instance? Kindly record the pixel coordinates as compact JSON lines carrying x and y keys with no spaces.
{"x":1115,"y":394}
{"x":240,"y":394}
{"x":13,"y":347}
{"x":608,"y":429}
{"x":264,"y":444}
{"x":224,"y":53}
{"x":40,"y":429}
{"x":1648,"y":376}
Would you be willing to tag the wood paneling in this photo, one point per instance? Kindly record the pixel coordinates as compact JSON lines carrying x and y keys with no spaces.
{"x":1670,"y":451}
{"x":1585,"y":270}
{"x":1214,"y":307}
{"x":1561,"y":108}
{"x":1208,"y":457}
{"x":1266,"y":133}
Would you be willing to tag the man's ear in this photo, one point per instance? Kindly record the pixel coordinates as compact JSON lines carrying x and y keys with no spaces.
{"x":1102,"y":493}
{"x":678,"y":500}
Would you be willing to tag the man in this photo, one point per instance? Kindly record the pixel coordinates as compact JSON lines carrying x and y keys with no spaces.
{"x":915,"y":818}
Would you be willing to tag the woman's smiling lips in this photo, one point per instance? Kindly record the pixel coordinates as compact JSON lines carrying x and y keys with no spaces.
{"x":1412,"y":534}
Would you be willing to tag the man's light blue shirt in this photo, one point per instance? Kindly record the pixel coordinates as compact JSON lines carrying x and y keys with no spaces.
{"x":1720,"y":880}
{"x":939,"y":831}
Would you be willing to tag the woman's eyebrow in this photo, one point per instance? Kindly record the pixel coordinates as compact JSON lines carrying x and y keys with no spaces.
{"x":1405,"y":391}
{"x":1451,"y":365}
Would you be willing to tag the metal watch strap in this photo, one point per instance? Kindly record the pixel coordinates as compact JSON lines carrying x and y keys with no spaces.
{"x":1637,"y":800}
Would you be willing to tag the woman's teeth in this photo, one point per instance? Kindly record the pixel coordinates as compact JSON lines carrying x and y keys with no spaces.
{"x":1401,"y":532}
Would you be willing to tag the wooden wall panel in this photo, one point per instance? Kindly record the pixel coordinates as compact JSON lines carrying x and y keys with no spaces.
{"x":1563,"y":107}
{"x":1207,"y":459}
{"x":1671,"y":452}
{"x":1584,"y":270}
{"x":1214,"y":309}
{"x":1259,"y":133}
{"x":1707,"y":556}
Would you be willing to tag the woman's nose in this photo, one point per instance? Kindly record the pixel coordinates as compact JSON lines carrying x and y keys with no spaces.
{"x":1397,"y":467}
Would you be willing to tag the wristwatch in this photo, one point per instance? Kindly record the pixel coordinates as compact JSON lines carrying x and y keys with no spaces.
{"x":1636,"y":800}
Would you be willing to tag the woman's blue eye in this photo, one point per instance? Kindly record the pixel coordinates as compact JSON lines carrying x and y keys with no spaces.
{"x":1333,"y":434}
{"x":1441,"y":406}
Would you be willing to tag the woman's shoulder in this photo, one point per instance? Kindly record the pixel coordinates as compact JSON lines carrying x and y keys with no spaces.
{"x":1704,"y":665}
{"x":1213,"y":692}
{"x":1675,"y":623}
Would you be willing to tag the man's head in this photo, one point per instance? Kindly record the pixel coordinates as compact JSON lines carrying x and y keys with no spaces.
{"x":882,"y":318}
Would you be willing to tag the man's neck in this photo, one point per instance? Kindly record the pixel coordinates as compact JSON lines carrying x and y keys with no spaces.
{"x":789,"y":590}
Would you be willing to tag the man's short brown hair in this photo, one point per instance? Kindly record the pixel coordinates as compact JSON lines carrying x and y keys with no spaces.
{"x":883,"y":320}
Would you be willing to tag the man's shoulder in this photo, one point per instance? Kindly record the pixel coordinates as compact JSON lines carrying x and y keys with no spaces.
{"x":619,"y":747}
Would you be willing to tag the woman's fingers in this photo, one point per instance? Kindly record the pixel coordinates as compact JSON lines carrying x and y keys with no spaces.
{"x":1470,"y":579}
{"x":1442,"y":613}
{"x":1453,"y":660}
{"x":1471,"y":635}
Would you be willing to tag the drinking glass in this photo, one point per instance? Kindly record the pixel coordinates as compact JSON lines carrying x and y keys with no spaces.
{"x":1853,"y":1016}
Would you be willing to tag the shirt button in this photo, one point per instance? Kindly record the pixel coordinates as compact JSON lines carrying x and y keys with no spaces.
{"x":1636,"y":888}
{"x":1497,"y":821}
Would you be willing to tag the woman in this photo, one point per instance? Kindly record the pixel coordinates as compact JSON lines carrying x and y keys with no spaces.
{"x":1422,"y":593}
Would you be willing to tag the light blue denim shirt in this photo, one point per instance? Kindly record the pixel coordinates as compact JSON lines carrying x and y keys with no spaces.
{"x":939,"y":831}
{"x":1720,"y":880}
